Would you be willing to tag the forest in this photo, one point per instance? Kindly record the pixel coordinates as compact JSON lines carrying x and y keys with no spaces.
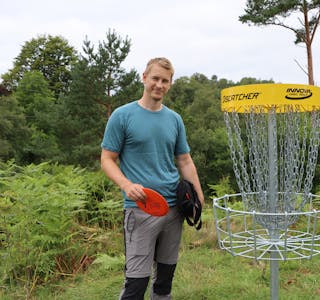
{"x":54,"y":105}
{"x":61,"y":218}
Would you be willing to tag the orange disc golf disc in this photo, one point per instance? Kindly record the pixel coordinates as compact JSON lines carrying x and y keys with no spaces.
{"x":155,"y":204}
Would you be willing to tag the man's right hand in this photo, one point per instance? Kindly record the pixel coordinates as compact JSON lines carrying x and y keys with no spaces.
{"x":135,"y":192}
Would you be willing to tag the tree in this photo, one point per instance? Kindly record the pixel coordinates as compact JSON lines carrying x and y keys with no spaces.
{"x":99,"y":84}
{"x":37,"y":101}
{"x":197,"y":99}
{"x":80,"y":123}
{"x":111,"y":79}
{"x":51,"y":55}
{"x":274,"y":12}
{"x":14,"y":132}
{"x":3,"y":91}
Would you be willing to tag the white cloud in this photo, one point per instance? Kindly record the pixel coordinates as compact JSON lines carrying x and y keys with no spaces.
{"x":201,"y":36}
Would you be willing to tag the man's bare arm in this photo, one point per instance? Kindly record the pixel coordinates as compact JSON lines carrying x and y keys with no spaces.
{"x":110,"y":167}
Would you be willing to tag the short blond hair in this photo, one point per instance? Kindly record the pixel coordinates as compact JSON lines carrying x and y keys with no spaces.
{"x":161,"y":61}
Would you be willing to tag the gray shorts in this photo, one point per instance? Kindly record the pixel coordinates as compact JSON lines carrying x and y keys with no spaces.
{"x":149,"y":239}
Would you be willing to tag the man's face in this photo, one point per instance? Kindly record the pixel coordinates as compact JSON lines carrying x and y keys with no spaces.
{"x":157,"y":82}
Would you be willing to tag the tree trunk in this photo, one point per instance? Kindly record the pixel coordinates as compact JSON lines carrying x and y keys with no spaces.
{"x":308,"y":43}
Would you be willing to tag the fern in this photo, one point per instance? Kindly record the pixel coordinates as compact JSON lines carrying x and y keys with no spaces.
{"x":38,"y":204}
{"x":53,"y":221}
{"x":107,"y":262}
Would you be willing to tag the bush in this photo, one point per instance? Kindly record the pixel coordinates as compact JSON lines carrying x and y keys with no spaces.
{"x":104,"y":202}
{"x":37,"y":206}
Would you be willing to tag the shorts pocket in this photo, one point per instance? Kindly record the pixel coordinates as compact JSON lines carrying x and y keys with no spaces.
{"x":137,"y":235}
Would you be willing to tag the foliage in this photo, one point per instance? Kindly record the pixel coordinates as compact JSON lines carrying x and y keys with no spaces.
{"x":69,"y":129}
{"x":37,"y":101}
{"x":35,"y":97}
{"x":105,"y":64}
{"x":14,"y":132}
{"x":79,"y":120}
{"x":197,"y":99}
{"x":99,"y":83}
{"x":65,"y":101}
{"x":51,"y":55}
{"x":54,"y":221}
{"x":103,"y":206}
{"x":218,"y":275}
{"x":48,"y":229}
{"x":316,"y":180}
{"x":38,"y":204}
{"x":270,"y":12}
{"x":108,"y":262}
{"x":222,"y":188}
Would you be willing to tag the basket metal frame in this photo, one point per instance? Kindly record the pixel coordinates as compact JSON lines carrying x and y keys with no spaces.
{"x":249,"y":239}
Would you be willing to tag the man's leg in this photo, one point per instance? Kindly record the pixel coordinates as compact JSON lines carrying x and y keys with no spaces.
{"x":162,"y":281}
{"x":140,"y":236}
{"x":134,"y":288}
{"x":166,"y":256}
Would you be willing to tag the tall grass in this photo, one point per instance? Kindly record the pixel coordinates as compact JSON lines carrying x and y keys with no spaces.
{"x":61,"y":239}
{"x":203,"y":272}
{"x":54,"y":220}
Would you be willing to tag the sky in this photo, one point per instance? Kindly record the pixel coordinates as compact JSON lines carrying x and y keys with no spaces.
{"x":198,"y":36}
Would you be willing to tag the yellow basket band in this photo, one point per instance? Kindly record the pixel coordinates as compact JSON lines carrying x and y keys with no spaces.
{"x":264,"y":97}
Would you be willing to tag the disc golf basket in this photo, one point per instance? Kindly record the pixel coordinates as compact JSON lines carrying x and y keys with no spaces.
{"x":273,"y":135}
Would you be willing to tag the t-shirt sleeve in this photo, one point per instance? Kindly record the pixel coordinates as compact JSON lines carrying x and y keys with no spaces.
{"x":114,"y":133}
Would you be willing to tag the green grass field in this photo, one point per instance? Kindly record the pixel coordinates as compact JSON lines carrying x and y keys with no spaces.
{"x":203,"y":272}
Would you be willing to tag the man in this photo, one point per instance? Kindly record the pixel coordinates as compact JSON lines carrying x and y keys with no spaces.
{"x":147,"y":137}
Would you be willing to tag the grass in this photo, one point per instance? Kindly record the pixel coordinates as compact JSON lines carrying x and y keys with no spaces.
{"x":204,"y":272}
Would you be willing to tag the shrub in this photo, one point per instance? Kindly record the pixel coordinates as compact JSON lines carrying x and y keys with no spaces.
{"x":37,"y":207}
{"x":104,"y":202}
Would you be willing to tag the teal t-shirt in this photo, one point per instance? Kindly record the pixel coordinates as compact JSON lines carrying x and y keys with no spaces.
{"x":147,"y":143}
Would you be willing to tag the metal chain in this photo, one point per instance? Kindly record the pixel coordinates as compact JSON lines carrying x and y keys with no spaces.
{"x":242,"y":161}
{"x":233,"y":152}
{"x":313,"y":151}
{"x":296,"y":139}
